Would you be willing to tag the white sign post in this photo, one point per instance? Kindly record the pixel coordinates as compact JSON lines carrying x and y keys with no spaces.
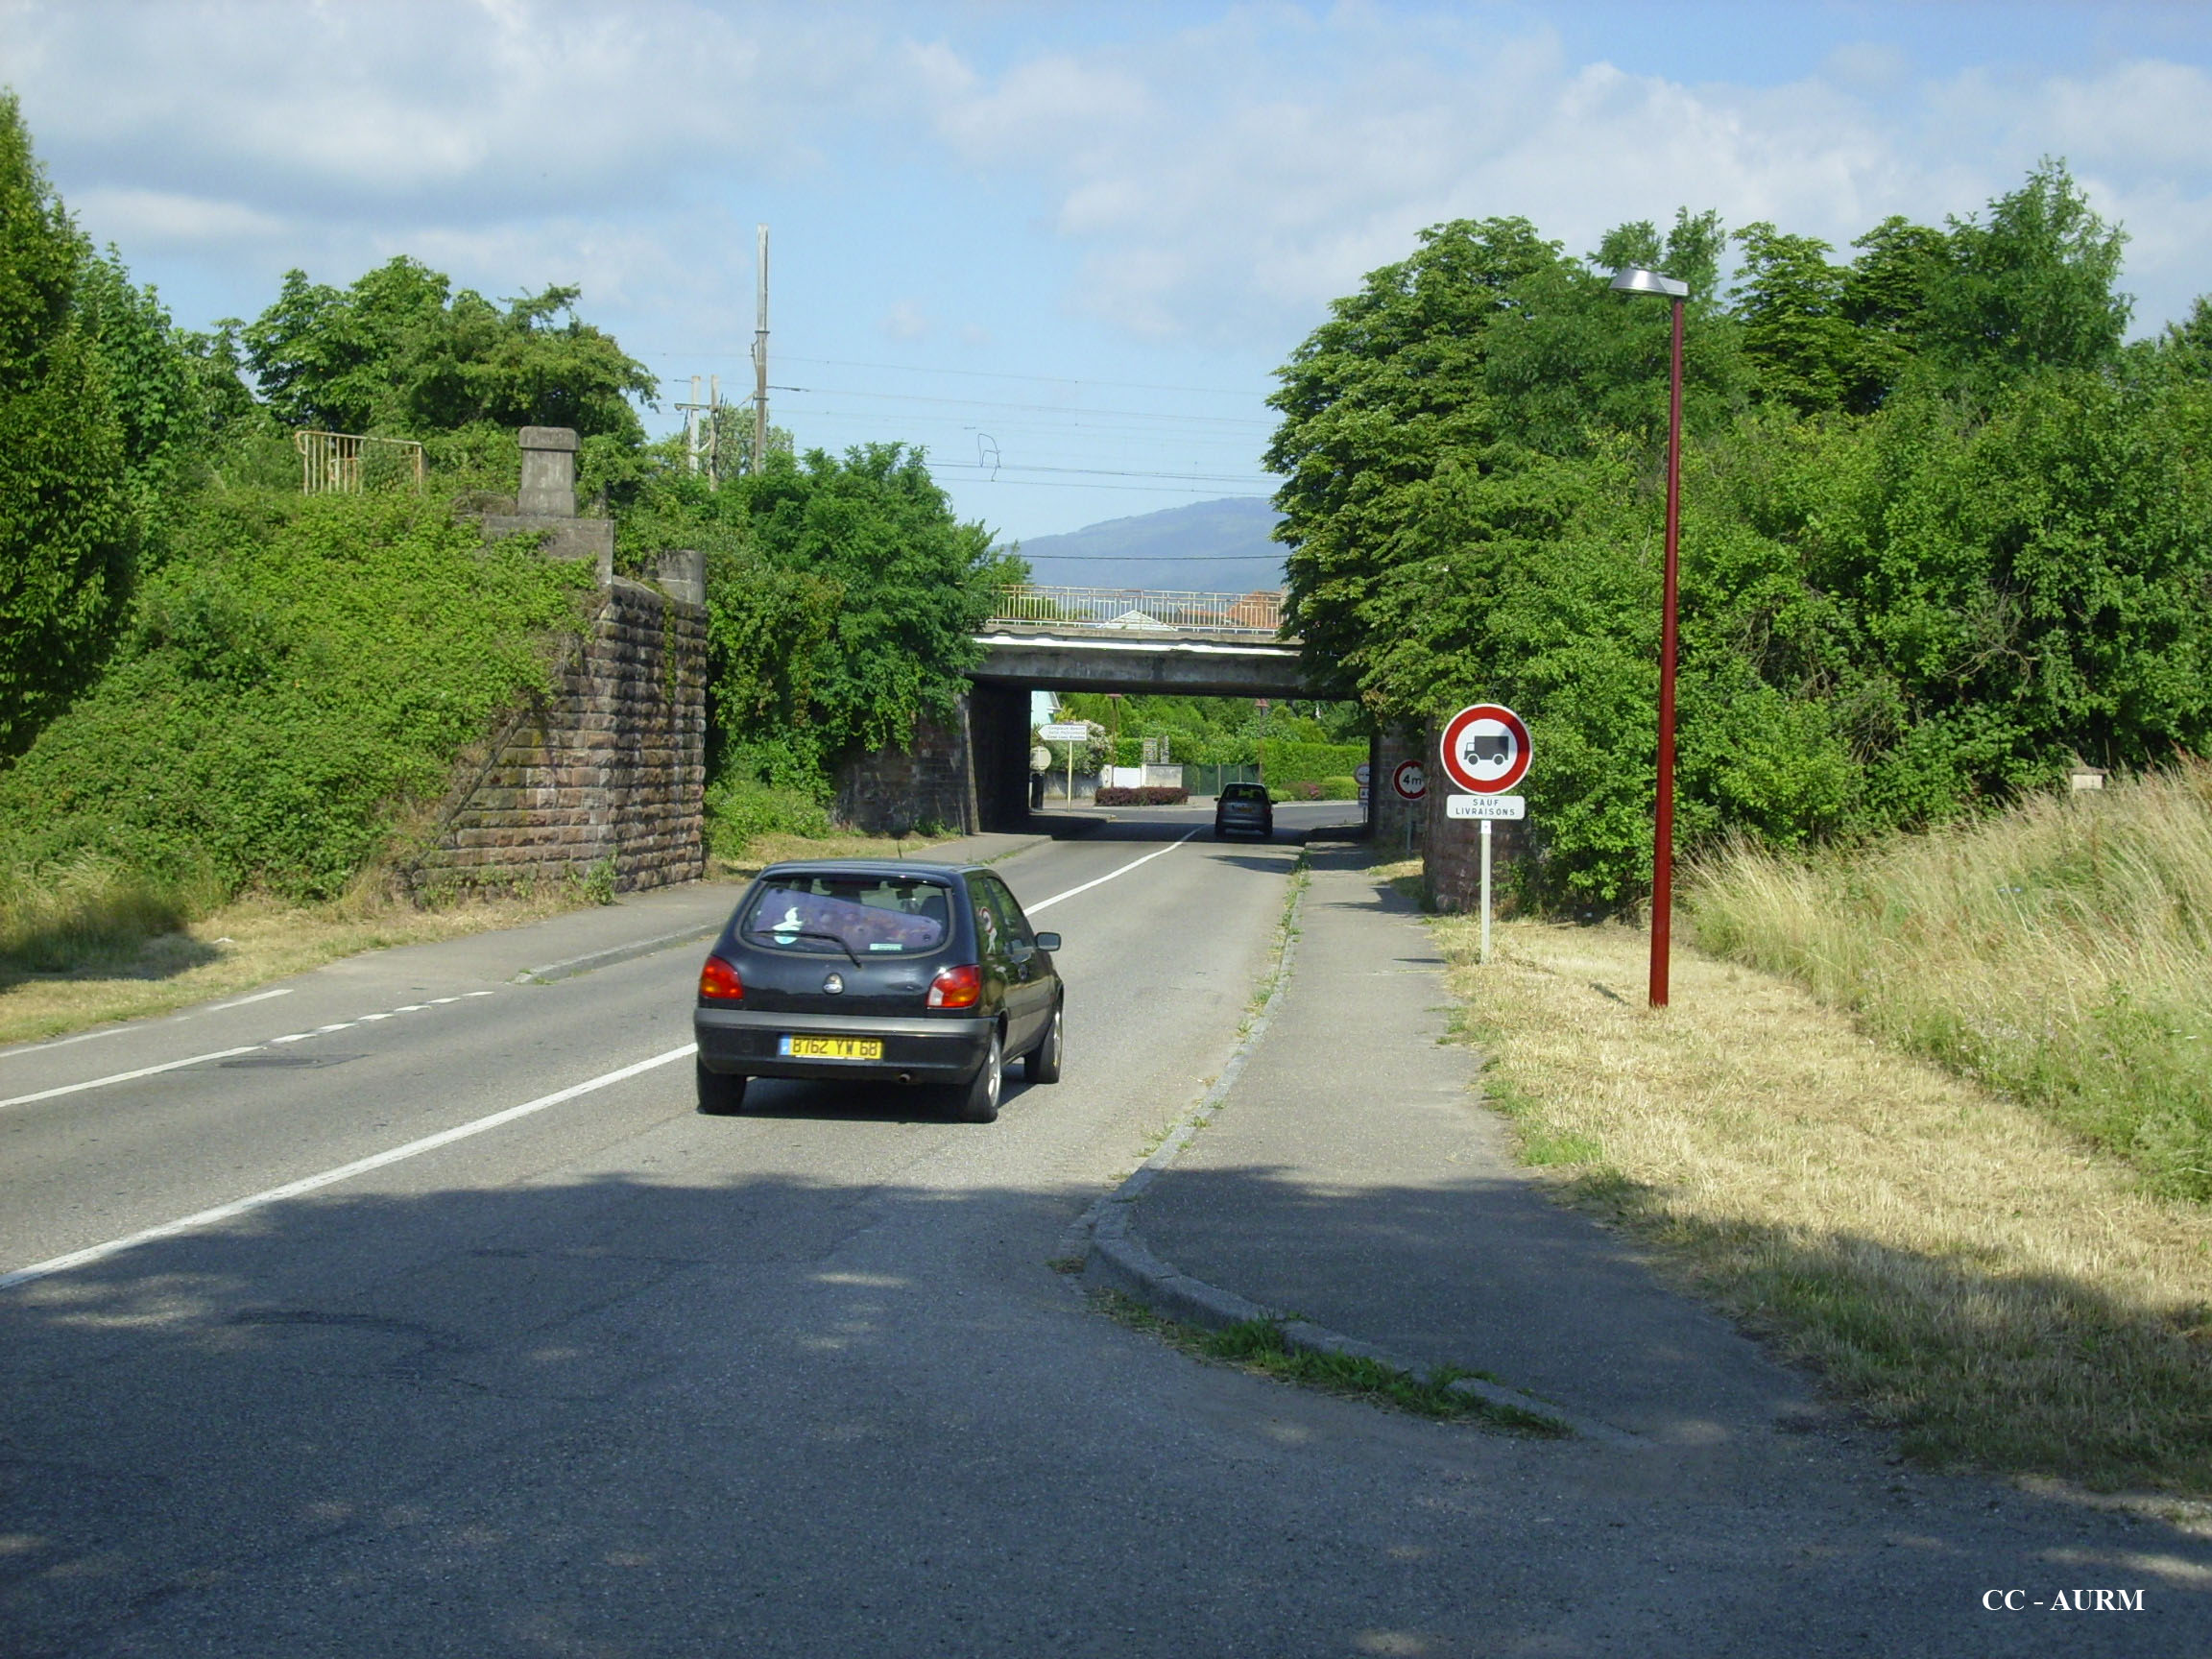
{"x":1485,"y":752}
{"x":1069,"y":732}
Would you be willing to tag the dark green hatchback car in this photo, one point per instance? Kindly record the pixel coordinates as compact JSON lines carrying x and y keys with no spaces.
{"x":883,"y":972}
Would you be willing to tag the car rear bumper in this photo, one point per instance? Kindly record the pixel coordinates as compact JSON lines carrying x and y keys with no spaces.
{"x":740,"y":1043}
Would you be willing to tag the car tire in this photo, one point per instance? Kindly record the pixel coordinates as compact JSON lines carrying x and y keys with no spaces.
{"x":976,"y":1101}
{"x":1043,"y":1063}
{"x":719,"y":1096}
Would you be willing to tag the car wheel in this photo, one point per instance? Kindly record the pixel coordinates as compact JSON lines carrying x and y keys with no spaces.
{"x":976,"y":1101}
{"x":1043,"y":1063}
{"x":719,"y":1097}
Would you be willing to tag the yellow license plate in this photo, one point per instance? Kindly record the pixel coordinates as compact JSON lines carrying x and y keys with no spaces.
{"x":834,"y":1048}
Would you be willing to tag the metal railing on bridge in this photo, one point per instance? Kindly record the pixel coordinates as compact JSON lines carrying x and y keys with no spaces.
{"x":1140,"y":610}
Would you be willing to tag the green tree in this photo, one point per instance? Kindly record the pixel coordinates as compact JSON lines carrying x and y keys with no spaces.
{"x":2031,"y":286}
{"x":68,"y":534}
{"x":1790,"y":299}
{"x":843,"y":600}
{"x":399,"y":353}
{"x":1886,"y":299}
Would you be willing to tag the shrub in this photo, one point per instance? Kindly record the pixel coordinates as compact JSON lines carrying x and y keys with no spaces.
{"x":740,"y":810}
{"x":300,"y":676}
{"x":1150,"y":795}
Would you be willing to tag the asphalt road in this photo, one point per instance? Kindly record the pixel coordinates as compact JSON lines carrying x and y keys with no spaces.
{"x":604,"y":1376}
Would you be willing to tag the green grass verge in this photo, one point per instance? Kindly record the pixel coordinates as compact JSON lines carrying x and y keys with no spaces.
{"x":1259,"y":1345}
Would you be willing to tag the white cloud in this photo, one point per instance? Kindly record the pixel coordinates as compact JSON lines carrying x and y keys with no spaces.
{"x":160,"y":219}
{"x":1213,"y":193}
{"x":1215,"y":182}
{"x":905,"y":321}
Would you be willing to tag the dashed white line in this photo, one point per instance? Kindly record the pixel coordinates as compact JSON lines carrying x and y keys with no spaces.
{"x":220,"y":1053}
{"x":328,"y":1177}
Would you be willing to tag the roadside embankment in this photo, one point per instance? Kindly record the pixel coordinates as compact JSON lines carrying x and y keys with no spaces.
{"x":2058,"y":951}
{"x":1954,"y":1263}
{"x":96,"y":946}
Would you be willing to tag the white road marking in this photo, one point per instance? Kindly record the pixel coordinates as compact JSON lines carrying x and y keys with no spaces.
{"x":329,"y":1177}
{"x":1032,"y":909}
{"x":218,"y":1054}
{"x":127,"y":1076}
{"x":65,"y":1042}
{"x":257,"y":996}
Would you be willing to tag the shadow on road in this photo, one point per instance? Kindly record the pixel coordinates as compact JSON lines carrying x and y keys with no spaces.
{"x":645,"y":1414}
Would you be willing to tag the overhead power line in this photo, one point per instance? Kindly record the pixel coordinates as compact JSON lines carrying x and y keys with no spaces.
{"x":984,"y":374}
{"x":1031,"y":408}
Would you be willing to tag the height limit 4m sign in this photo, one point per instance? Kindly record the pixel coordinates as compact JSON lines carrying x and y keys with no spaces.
{"x":1486,"y":749}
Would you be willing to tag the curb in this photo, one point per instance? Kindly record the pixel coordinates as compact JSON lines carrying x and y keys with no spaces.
{"x":591,"y":960}
{"x":1104,"y":1238}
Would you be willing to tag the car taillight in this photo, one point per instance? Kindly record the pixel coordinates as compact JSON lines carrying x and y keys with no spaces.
{"x":718,"y":982}
{"x":957,"y":987}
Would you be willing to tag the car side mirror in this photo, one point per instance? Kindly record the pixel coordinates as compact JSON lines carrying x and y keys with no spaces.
{"x":1047,"y":941}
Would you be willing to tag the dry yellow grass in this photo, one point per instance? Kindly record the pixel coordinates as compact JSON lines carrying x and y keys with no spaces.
{"x":88,"y":946}
{"x":1956,"y":1264}
{"x":2059,"y":949}
{"x":234,"y":948}
{"x":763,"y":851}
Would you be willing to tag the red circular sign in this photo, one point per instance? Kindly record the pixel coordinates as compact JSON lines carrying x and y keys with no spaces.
{"x":1410,"y":778}
{"x":1486,"y":749}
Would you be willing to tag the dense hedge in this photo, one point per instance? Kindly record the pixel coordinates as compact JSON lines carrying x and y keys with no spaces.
{"x":300,"y":674}
{"x":1942,"y":533}
{"x":1149,"y":795}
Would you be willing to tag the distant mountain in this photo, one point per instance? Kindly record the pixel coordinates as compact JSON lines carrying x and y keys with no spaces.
{"x":1208,"y":548}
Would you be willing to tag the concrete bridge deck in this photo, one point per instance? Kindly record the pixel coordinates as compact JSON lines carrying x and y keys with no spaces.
{"x":1139,"y":640}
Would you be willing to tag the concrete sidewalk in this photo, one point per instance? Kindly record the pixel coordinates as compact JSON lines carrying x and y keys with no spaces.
{"x":1353,"y":1177}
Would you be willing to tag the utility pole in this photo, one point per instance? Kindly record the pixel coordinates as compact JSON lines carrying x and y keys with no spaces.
{"x":691,"y":430}
{"x":760,"y":361}
{"x":714,"y":433}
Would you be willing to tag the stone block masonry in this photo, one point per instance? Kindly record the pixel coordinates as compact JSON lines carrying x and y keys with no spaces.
{"x":603,"y":776}
{"x":931,"y":782}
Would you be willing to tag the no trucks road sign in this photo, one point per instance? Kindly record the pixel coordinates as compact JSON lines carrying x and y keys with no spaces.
{"x":1486,"y":749}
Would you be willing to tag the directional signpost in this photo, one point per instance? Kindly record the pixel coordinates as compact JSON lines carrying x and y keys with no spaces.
{"x":1485,"y":752}
{"x":1069,"y":732}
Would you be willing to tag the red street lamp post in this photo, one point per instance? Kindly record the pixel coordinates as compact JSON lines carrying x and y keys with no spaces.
{"x":1632,"y":281}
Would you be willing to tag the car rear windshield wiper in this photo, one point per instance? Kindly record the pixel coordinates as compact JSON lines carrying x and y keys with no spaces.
{"x":781,"y":934}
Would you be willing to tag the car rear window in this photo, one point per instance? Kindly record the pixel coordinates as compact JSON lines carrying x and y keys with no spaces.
{"x":856,"y":915}
{"x":1243,"y":793}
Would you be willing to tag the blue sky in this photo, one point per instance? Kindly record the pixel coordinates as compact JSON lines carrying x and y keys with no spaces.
{"x":1061,"y":244}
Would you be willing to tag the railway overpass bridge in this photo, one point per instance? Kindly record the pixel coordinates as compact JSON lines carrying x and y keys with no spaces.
{"x":1133,"y":640}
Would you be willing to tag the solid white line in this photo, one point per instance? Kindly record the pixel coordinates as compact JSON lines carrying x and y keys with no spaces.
{"x":127,"y":1076}
{"x":1032,"y":909}
{"x":330,"y":1177}
{"x":257,"y":996}
{"x":65,"y":1042}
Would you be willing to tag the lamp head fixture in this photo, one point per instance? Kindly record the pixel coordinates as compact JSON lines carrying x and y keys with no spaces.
{"x":1635,"y":280}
